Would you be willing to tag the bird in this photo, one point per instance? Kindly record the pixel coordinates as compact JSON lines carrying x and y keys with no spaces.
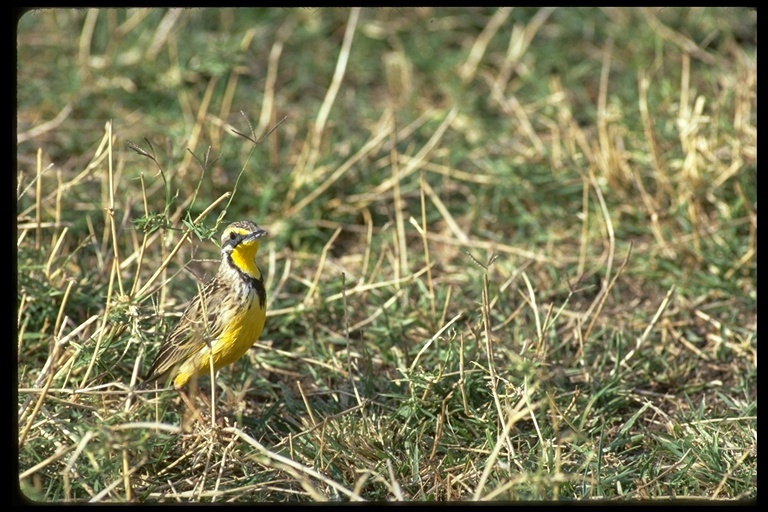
{"x":224,"y":319}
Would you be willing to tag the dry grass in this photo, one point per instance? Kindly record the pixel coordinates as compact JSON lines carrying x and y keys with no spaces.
{"x":512,"y":252}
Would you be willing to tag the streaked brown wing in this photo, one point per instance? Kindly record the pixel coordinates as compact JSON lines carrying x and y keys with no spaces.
{"x":200,"y":322}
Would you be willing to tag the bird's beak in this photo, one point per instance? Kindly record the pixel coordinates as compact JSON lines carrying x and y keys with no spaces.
{"x":255,"y":235}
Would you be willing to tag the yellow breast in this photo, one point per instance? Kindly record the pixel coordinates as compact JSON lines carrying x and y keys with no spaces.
{"x":240,"y":332}
{"x":245,"y":330}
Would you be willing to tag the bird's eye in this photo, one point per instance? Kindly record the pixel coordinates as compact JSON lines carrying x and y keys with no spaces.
{"x":232,"y":235}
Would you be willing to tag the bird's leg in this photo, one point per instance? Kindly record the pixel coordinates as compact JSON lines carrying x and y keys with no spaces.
{"x":191,"y":409}
{"x":212,"y":405}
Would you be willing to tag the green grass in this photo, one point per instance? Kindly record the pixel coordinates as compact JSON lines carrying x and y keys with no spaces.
{"x":512,"y":253}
